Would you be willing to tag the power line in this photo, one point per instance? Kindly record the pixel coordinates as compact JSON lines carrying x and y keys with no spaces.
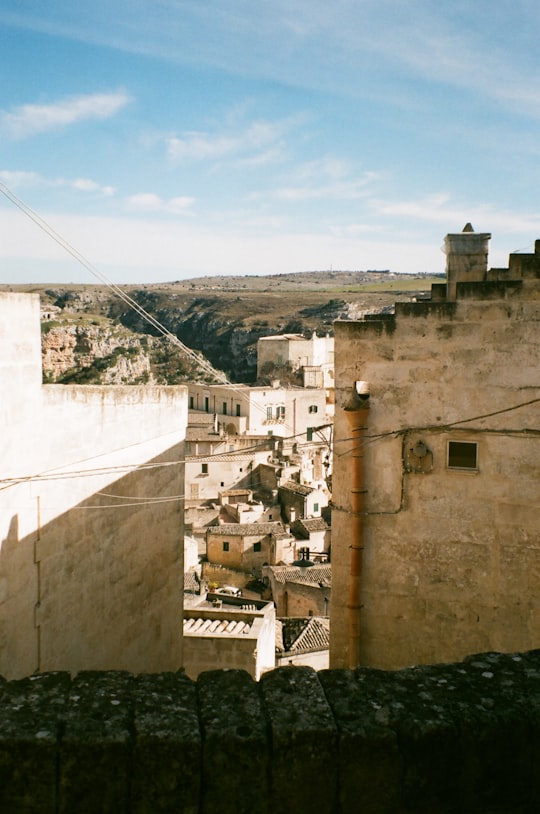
{"x":202,"y":362}
{"x":80,"y":258}
{"x":452,"y":425}
{"x":53,"y":475}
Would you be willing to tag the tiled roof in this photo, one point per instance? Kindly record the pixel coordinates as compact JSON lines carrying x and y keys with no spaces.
{"x":303,"y":635}
{"x":216,"y":627}
{"x":311,"y":575}
{"x":218,"y":456}
{"x":305,"y":526}
{"x":248,"y":529}
{"x":297,"y":488}
{"x":191,"y":582}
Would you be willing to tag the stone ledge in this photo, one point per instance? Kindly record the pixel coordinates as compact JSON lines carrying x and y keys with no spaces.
{"x":443,"y":738}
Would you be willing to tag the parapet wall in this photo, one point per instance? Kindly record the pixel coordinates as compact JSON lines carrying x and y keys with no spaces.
{"x":446,"y":738}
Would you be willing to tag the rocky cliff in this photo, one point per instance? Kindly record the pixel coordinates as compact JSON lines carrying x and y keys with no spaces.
{"x":92,"y":335}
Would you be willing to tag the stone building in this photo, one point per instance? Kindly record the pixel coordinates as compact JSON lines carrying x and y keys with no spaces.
{"x":91,"y":515}
{"x":313,"y":533}
{"x":300,"y":590}
{"x":229,"y":635}
{"x":216,"y":460}
{"x":299,"y":501}
{"x":249,"y":546}
{"x":261,"y":411}
{"x":314,"y":357}
{"x":436,"y":483}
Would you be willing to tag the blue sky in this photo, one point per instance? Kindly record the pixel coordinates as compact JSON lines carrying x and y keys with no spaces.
{"x":166,"y":139}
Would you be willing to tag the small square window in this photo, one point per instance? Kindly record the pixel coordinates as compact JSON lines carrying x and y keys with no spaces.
{"x":462,"y":455}
{"x":225,"y":546}
{"x":256,"y":546}
{"x":204,"y":469}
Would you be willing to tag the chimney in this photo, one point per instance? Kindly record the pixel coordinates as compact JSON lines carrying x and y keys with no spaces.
{"x":466,"y":258}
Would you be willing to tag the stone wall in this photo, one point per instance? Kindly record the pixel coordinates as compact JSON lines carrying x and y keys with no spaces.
{"x":451,"y":555}
{"x":91,"y":515}
{"x":446,"y":738}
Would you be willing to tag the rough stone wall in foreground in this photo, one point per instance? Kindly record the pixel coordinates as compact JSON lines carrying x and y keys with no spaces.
{"x":446,"y":738}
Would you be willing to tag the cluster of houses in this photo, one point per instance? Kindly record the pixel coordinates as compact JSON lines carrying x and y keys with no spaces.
{"x":257,"y":514}
{"x":420,"y":433}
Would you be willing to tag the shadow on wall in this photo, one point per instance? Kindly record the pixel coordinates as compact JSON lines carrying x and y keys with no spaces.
{"x":99,"y":587}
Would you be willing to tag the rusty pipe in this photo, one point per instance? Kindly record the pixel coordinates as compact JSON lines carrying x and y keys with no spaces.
{"x":357,"y":412}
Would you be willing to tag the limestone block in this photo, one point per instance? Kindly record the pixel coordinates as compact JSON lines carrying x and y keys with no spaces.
{"x":304,"y":741}
{"x":236,"y":753}
{"x":167,"y":747}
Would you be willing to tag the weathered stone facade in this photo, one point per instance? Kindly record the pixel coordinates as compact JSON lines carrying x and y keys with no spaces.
{"x":443,"y":523}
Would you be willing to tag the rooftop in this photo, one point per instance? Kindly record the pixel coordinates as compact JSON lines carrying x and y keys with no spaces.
{"x":295,"y":635}
{"x":320,"y":575}
{"x":297,"y":488}
{"x":225,"y":626}
{"x":305,"y":526}
{"x":249,"y":529}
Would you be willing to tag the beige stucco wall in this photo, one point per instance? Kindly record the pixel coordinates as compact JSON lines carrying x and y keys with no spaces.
{"x":91,"y":551}
{"x":451,"y":558}
{"x":241,"y":554}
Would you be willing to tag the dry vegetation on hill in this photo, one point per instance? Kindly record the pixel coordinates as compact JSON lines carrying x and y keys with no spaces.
{"x":222,"y":317}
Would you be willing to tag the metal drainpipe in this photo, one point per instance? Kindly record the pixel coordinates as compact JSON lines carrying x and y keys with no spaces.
{"x":357,"y":411}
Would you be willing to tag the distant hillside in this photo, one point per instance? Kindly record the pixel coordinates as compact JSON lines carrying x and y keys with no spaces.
{"x":221,"y":317}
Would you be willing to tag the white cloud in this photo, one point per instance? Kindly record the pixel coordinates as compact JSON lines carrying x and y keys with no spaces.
{"x":87,"y":185}
{"x":326,"y":178}
{"x":259,"y":143}
{"x":439,"y":209}
{"x":150,"y":202}
{"x":24,"y":179}
{"x":18,"y":179}
{"x":28,"y":120}
{"x":199,"y":146}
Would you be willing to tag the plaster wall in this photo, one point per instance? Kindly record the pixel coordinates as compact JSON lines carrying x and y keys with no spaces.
{"x":451,"y":559}
{"x":90,"y":549}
